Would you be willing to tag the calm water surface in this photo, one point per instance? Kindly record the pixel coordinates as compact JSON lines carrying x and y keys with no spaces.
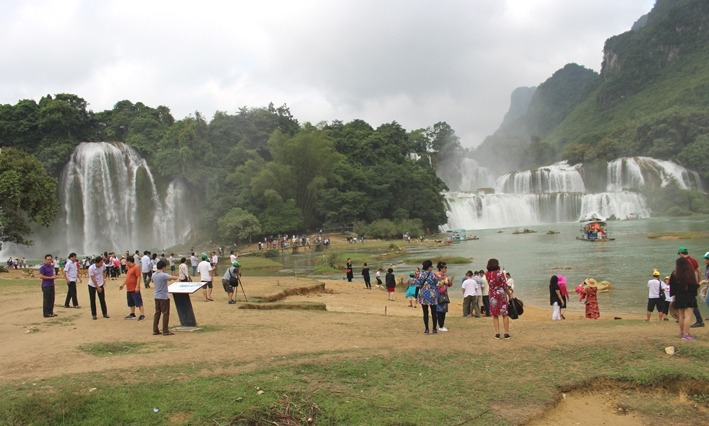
{"x":532,"y":258}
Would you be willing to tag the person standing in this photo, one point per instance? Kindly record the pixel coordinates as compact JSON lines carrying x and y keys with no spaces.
{"x":232,"y":257}
{"x":390,"y":281}
{"x":486,"y":292}
{"x":162,"y":301}
{"x":132,"y":285}
{"x":704,"y":290}
{"x":470,"y":300}
{"x":411,"y":289}
{"x":683,"y":286}
{"x":498,"y":293}
{"x":367,"y":278}
{"x":684,"y":253}
{"x":96,"y":287}
{"x":206,"y":273}
{"x":71,"y":275}
{"x":171,"y":262}
{"x":378,"y":277}
{"x":193,"y":264}
{"x":215,"y":262}
{"x":564,"y":295}
{"x":183,"y":273}
{"x":556,"y":300}
{"x":46,"y":273}
{"x":427,"y":284}
{"x":146,"y":267}
{"x":348,"y":270}
{"x":655,"y":287}
{"x":589,"y":294}
{"x":443,"y":299}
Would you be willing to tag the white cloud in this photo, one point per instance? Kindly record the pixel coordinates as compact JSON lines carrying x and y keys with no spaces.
{"x":415,"y":62}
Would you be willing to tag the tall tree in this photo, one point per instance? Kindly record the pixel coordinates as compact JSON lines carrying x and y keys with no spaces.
{"x":27,"y":195}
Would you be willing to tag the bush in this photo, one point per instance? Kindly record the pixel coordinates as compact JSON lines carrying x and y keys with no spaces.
{"x":271,"y":253}
{"x":3,"y":268}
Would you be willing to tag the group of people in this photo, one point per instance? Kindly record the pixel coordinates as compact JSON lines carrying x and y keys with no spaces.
{"x":149,"y":268}
{"x":678,"y":293}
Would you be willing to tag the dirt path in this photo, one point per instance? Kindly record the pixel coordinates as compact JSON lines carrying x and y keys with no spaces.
{"x":357,"y":321}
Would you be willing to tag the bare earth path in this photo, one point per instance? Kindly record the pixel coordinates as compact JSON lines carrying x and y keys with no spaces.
{"x":354,"y":324}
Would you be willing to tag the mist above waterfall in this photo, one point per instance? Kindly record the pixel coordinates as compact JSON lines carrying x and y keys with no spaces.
{"x":558,"y":193}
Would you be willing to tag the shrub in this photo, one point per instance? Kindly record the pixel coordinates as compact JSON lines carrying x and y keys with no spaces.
{"x":271,"y":253}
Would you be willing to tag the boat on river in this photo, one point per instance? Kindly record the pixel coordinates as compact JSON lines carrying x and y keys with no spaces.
{"x":594,"y":231}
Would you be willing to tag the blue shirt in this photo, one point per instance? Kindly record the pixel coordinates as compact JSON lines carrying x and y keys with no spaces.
{"x":160,"y":279}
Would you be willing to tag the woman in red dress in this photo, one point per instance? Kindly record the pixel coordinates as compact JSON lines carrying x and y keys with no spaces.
{"x":589,"y":292}
{"x":498,"y":291}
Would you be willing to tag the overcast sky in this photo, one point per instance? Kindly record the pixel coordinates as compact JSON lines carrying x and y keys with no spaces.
{"x":415,"y":62}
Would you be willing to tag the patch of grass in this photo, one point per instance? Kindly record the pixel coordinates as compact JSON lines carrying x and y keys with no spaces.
{"x":114,"y":348}
{"x":354,"y":387}
{"x":451,"y":260}
{"x":255,"y":262}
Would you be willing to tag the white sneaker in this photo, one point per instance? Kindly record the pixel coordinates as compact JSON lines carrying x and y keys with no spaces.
{"x":443,"y":329}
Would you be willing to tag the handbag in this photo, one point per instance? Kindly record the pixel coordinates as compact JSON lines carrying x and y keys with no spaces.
{"x":443,"y":298}
{"x":663,"y":297}
{"x":515,"y":308}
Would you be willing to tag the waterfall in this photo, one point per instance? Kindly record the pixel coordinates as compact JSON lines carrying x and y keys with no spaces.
{"x":557,"y":193}
{"x":559,"y":177}
{"x":110,"y":201}
{"x":637,"y":172}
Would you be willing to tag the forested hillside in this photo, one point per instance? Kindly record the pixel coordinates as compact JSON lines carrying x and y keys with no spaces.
{"x":257,"y":171}
{"x":651,"y":98}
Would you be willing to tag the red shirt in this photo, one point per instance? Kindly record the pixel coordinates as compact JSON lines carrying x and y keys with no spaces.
{"x":132,"y":277}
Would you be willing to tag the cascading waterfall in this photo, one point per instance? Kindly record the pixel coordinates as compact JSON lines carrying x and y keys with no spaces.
{"x":557,"y":193}
{"x":636,"y":172}
{"x":110,"y":201}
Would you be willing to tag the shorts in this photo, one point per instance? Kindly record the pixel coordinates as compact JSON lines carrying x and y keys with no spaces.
{"x":172,"y":268}
{"x":652,"y":303}
{"x":391,"y":289}
{"x":227,"y":287}
{"x":134,"y":299}
{"x":206,"y":284}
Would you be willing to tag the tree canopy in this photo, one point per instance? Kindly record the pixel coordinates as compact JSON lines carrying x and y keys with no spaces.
{"x":27,"y":195}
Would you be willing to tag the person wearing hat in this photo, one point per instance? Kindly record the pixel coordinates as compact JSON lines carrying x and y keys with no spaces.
{"x":655,"y":289}
{"x":230,"y":281}
{"x":683,"y":252}
{"x":205,"y":276}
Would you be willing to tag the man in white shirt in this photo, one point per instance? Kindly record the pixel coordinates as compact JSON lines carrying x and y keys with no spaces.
{"x":485,"y":291}
{"x":232,"y":257}
{"x":471,"y":296}
{"x":205,"y":274}
{"x":146,"y":267}
{"x":96,"y":272}
{"x":71,"y":275}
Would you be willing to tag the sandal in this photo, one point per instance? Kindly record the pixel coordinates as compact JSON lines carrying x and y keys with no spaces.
{"x":156,"y":333}
{"x":167,"y":333}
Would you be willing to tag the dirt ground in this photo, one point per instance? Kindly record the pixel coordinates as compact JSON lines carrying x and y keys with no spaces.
{"x":356,"y":320}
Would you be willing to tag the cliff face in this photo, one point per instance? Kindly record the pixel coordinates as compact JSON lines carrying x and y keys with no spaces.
{"x":651,"y":98}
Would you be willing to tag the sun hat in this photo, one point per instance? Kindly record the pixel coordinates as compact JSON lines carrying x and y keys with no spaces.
{"x":411,"y":274}
{"x":706,"y":255}
{"x":682,"y":250}
{"x":235,"y":264}
{"x":204,"y":256}
{"x":655,"y":273}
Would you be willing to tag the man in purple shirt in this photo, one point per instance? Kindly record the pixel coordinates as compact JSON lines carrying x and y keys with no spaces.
{"x":46,"y":273}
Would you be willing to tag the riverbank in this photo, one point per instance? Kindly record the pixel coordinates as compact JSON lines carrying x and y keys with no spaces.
{"x":359,"y":329}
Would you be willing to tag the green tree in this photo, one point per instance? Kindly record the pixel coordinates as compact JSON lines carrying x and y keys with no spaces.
{"x":27,"y":195}
{"x":239,"y":225}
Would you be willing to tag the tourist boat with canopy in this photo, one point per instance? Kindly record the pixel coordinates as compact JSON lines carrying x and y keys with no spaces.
{"x":594,"y":230}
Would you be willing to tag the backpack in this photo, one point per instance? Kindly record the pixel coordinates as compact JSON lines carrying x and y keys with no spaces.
{"x":233,"y":279}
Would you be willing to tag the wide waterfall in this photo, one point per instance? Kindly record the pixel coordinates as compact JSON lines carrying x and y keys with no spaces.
{"x":111,"y":201}
{"x":557,"y":193}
